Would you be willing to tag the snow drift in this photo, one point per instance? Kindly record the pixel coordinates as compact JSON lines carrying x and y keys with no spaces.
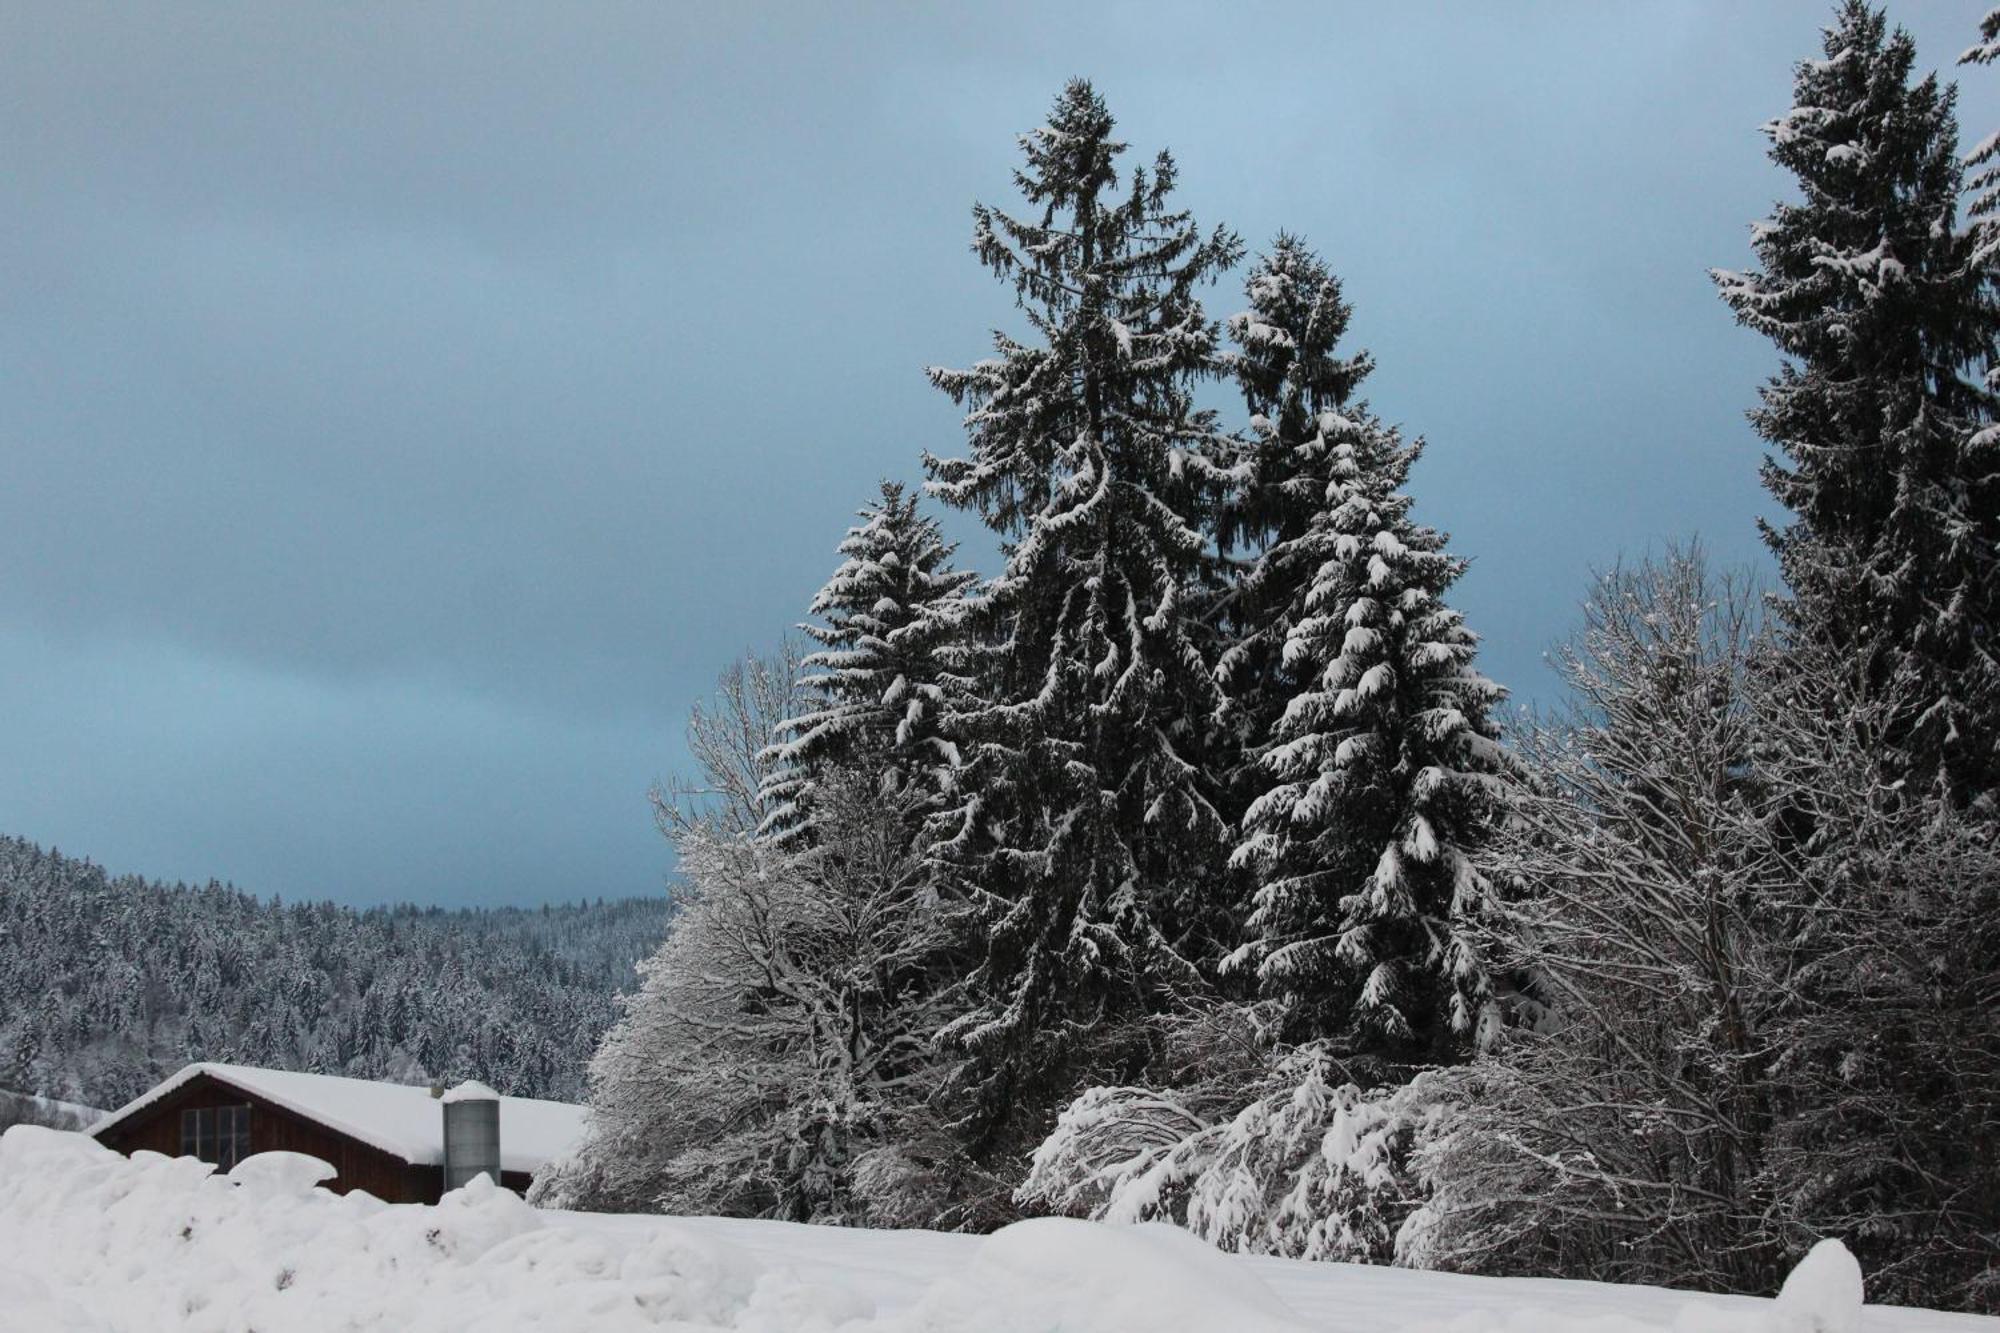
{"x":91,"y":1240}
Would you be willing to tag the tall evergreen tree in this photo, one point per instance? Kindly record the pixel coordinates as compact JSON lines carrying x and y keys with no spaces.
{"x":1368,"y":892}
{"x":1888,"y":465}
{"x":1085,"y":831}
{"x":877,"y":687}
{"x":1375,"y":741}
{"x":1289,"y":373}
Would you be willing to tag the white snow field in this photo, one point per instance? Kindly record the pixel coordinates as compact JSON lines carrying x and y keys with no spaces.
{"x":91,"y":1240}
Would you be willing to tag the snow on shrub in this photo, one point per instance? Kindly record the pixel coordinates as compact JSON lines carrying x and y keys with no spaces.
{"x":1310,"y":1168}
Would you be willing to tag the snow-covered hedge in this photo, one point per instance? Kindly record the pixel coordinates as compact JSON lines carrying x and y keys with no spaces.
{"x":1309,"y":1168}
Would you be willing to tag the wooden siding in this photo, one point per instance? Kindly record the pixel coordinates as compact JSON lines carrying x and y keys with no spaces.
{"x":275,"y":1129}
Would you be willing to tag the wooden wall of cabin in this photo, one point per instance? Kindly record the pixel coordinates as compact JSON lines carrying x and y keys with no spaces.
{"x":275,"y":1129}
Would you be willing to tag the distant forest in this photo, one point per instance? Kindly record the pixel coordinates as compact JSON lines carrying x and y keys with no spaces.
{"x":108,"y":984}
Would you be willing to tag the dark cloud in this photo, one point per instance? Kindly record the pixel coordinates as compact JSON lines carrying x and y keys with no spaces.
{"x":405,"y":410}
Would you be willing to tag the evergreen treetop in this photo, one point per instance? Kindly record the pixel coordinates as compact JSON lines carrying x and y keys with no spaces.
{"x":1290,"y":375}
{"x":876,"y":688}
{"x":1351,"y":679}
{"x":1984,"y":159}
{"x":1871,"y":292}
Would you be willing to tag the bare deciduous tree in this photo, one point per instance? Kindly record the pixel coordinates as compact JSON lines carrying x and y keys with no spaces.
{"x":727,"y":738}
{"x":776,"y":1060}
{"x":1767,"y":975}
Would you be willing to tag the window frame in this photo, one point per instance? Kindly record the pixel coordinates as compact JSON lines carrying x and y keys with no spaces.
{"x":219,"y":1135}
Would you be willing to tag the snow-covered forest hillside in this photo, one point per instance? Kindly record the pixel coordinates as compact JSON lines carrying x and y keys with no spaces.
{"x":108,"y":983}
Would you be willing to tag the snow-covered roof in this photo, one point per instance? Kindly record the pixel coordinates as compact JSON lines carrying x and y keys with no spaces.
{"x":405,"y":1122}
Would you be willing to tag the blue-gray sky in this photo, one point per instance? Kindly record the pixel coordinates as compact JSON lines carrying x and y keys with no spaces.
{"x":405,"y":410}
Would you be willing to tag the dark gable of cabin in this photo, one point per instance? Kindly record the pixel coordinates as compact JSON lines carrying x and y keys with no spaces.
{"x":221,"y":1123}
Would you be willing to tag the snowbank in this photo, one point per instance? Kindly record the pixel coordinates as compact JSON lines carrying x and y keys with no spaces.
{"x":90,"y":1240}
{"x":1058,"y":1273}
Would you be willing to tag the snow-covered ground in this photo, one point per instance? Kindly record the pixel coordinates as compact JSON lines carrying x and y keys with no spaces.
{"x":90,"y":1240}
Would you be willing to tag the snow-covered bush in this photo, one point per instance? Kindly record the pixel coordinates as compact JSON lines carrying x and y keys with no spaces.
{"x":1310,"y":1167}
{"x":779,"y":1037}
{"x":1889,"y":1042}
{"x":876,"y":690}
{"x":776,"y":1060}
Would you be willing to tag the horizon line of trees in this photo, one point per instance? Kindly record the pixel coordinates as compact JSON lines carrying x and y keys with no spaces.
{"x":1183,"y":869}
{"x":110,"y":983}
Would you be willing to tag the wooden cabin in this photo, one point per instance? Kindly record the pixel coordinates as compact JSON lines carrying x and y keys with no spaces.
{"x":385,"y":1138}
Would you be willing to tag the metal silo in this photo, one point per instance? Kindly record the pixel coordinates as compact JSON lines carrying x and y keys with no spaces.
{"x":471,"y":1134}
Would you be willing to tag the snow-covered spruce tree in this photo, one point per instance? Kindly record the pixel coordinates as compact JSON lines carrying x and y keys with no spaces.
{"x":876,"y":688}
{"x":1289,"y":374}
{"x":1380,"y":765}
{"x":1889,"y":463}
{"x":1084,"y":830}
{"x":1279,"y":1139}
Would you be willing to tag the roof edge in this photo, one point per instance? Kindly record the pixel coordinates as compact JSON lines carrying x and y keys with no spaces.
{"x":224,"y":1074}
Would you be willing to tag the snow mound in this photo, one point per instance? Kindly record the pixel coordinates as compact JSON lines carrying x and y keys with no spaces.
{"x":91,"y":1240}
{"x":1060,"y":1275}
{"x":285,"y":1174}
{"x":1823,"y":1294}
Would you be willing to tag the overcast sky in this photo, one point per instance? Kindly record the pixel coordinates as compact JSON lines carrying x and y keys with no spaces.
{"x":405,"y":410}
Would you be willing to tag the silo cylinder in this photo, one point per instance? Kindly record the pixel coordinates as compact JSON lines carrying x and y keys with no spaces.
{"x":471,"y":1134}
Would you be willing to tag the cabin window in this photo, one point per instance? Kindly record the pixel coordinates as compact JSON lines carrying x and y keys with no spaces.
{"x":219,"y":1134}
